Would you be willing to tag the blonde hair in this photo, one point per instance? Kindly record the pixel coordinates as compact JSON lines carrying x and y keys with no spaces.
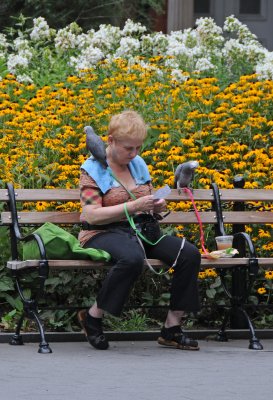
{"x":128,"y":124}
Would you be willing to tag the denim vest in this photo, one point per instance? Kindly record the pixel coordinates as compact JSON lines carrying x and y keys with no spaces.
{"x":104,"y":179}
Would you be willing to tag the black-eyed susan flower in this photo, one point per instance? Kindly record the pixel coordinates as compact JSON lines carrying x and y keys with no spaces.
{"x":211,"y":273}
{"x":268,"y":275}
{"x":261,"y":290}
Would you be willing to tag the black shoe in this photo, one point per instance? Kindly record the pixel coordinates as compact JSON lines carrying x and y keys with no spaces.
{"x":175,"y":337}
{"x":92,"y":328}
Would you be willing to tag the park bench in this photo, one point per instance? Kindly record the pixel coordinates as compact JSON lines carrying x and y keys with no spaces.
{"x":244,"y":266}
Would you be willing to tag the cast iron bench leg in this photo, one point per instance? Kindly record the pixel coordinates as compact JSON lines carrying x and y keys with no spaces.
{"x":254,"y":343}
{"x":221,"y":335}
{"x":17,"y":339}
{"x":43,"y":346}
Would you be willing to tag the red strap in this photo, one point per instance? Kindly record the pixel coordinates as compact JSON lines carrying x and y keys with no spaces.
{"x":202,"y":240}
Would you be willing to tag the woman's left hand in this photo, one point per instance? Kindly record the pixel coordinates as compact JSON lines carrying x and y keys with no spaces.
{"x":159,"y":206}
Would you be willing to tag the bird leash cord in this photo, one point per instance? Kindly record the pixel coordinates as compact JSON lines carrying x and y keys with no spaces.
{"x":202,"y":240}
{"x":139,"y":235}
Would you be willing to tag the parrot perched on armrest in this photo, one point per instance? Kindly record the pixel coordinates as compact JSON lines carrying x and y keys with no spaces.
{"x":184,"y":173}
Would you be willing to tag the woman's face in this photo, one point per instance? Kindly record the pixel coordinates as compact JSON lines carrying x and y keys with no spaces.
{"x":124,"y":150}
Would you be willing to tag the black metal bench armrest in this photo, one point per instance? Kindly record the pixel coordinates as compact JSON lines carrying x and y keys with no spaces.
{"x":253,"y":261}
{"x":217,"y":206}
{"x":13,"y":210}
{"x":17,"y":236}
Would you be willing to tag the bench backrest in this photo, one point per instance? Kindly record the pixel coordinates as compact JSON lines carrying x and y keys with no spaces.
{"x":174,"y":218}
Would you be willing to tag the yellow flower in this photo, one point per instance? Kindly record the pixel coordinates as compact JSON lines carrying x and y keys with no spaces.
{"x":261,"y":290}
{"x":268,"y":275}
{"x":210,"y":272}
{"x":188,"y":142}
{"x":202,"y":275}
{"x":264,"y":234}
{"x":42,"y":205}
{"x":206,"y":149}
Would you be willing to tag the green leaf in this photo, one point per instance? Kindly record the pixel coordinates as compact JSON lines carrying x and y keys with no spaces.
{"x":211,"y":293}
{"x":16,"y":303}
{"x":216,"y":283}
{"x":253,"y":300}
{"x":165,"y":296}
{"x":6,"y":284}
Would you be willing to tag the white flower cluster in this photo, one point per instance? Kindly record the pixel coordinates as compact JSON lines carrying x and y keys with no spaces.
{"x":24,"y":78}
{"x":133,"y":28}
{"x":205,"y":49}
{"x":128,"y":47}
{"x":234,"y":52}
{"x":88,"y":58}
{"x":94,"y":46}
{"x":233,"y":25}
{"x":67,"y":38}
{"x":208,"y":33}
{"x":187,"y":52}
{"x":106,"y":38}
{"x":204,"y":64}
{"x":21,"y":44}
{"x":3,"y":43}
{"x":179,"y":76}
{"x":3,"y":46}
{"x":264,"y":69}
{"x":16,"y":61}
{"x":40,"y":30}
{"x":22,"y":56}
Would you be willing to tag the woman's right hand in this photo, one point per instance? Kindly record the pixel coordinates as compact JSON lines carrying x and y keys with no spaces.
{"x":145,"y":203}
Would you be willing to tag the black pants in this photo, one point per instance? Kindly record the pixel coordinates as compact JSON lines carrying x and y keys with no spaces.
{"x":128,"y":257}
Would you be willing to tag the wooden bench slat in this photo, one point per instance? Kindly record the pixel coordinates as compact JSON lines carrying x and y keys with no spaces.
{"x":225,"y":195}
{"x":174,"y":218}
{"x":70,"y":264}
{"x":246,"y":195}
{"x":74,"y":195}
{"x":4,"y":195}
{"x":58,"y":217}
{"x":36,"y":217}
{"x":89,"y":264}
{"x":198,"y":194}
{"x":248,"y":217}
{"x":43,"y":195}
{"x":229,"y":217}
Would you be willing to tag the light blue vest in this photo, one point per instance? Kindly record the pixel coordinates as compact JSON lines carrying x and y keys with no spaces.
{"x":104,"y":179}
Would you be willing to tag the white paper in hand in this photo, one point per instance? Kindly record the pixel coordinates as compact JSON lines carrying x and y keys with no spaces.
{"x":162,"y":193}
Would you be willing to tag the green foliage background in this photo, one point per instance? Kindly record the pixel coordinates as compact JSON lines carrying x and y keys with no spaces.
{"x":87,"y":13}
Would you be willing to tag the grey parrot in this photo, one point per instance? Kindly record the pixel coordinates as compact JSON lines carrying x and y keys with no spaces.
{"x":183,"y":175}
{"x":95,"y":145}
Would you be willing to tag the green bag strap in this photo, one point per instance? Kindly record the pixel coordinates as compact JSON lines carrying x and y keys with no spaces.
{"x":133,"y":225}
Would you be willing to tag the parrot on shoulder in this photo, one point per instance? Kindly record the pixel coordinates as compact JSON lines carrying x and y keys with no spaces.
{"x":95,"y":145}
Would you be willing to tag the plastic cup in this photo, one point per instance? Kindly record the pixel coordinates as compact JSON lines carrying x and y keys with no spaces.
{"x":224,"y":242}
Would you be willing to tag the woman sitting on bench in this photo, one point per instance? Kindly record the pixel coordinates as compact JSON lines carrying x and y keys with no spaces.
{"x":110,"y":198}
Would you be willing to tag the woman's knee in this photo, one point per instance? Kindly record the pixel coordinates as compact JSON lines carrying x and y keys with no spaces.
{"x":195,"y":254}
{"x":191,"y":254}
{"x":133,"y":263}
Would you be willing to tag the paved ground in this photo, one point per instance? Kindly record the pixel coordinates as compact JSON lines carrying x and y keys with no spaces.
{"x":137,"y":371}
